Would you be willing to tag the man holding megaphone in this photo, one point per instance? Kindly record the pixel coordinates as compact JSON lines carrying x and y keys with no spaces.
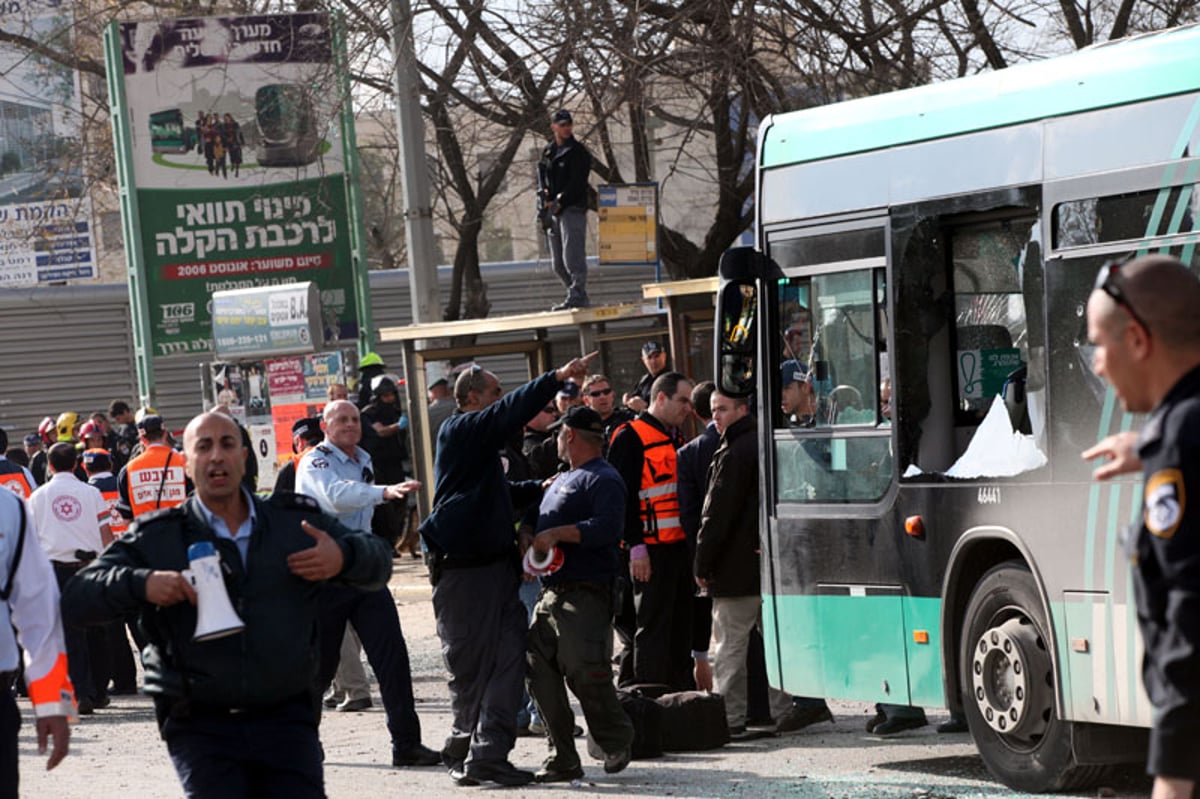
{"x":226,"y":590}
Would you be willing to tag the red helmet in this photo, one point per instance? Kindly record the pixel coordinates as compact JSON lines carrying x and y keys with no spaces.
{"x":90,"y":428}
{"x":48,"y":430}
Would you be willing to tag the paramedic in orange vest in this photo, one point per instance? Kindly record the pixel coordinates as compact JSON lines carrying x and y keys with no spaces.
{"x":660,"y":562}
{"x":155,"y":479}
{"x":13,"y":476}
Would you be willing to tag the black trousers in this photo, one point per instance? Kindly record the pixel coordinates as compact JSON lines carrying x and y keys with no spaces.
{"x":271,"y":752}
{"x":10,"y":723}
{"x":662,"y":644}
{"x":374,"y":618}
{"x":81,"y":647}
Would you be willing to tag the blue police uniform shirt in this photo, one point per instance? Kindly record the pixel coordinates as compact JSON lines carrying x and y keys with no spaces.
{"x":591,"y":497}
{"x":342,"y":485}
{"x":221,"y":530}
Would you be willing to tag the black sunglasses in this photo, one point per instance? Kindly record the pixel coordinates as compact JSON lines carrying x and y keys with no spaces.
{"x":600,"y":392}
{"x":1107,"y":281}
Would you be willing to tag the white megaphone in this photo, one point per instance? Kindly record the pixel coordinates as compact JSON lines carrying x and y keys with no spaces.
{"x":215,"y":616}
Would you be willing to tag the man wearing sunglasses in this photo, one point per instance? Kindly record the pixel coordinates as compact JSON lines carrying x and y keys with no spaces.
{"x":598,"y":394}
{"x":1142,"y":319}
{"x":562,"y":207}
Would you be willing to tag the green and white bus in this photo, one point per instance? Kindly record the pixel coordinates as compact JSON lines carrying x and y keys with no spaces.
{"x":948,"y":548}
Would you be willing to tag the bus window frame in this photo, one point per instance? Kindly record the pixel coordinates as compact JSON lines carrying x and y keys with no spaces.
{"x":875,"y":265}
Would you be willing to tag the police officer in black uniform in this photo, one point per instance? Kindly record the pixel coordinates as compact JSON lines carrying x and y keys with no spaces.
{"x":1142,"y":320}
{"x":239,"y":713}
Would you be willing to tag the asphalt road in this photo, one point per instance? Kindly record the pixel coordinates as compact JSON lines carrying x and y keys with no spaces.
{"x":117,"y":752}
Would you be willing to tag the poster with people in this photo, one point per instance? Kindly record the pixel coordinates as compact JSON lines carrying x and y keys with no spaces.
{"x":45,"y":215}
{"x":234,"y":144}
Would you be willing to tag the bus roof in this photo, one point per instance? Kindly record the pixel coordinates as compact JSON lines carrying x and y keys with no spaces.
{"x":1129,"y":70}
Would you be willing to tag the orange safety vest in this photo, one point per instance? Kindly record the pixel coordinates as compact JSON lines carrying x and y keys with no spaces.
{"x":155,"y":479}
{"x":115,"y":520}
{"x":658,"y":495}
{"x":14,"y":480}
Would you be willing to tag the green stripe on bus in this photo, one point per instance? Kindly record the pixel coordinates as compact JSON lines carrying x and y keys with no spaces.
{"x":858,"y":647}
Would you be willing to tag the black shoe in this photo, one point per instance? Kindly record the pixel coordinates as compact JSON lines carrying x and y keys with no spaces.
{"x":617,"y":761}
{"x":956,"y":723}
{"x":500,"y":772}
{"x":101,"y":702}
{"x":331,"y":702}
{"x":900,"y":724}
{"x":877,"y":719}
{"x":419,"y":755}
{"x":85,"y":707}
{"x":552,"y":773}
{"x":460,"y":778}
{"x":797,"y":718}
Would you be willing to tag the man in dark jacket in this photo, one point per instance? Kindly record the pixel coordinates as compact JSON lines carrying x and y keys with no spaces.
{"x":475,"y":570}
{"x":563,"y":193}
{"x":727,"y":552}
{"x":258,"y":684}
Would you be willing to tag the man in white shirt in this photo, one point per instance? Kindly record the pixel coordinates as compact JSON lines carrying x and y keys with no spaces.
{"x":71,"y":518}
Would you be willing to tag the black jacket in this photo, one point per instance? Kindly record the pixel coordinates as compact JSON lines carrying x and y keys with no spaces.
{"x":275,"y":658}
{"x":691,"y":464}
{"x":563,"y":177}
{"x":727,"y":546}
{"x":1164,"y":550}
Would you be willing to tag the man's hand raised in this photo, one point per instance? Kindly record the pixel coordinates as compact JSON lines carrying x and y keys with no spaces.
{"x":321,"y":561}
{"x":576,"y":368}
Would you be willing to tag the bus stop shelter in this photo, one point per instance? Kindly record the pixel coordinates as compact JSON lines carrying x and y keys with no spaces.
{"x":683,"y":310}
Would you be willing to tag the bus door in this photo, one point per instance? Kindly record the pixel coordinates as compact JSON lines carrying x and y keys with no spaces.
{"x":837,"y":612}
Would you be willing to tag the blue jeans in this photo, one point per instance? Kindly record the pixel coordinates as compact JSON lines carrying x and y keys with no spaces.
{"x":528,"y":714}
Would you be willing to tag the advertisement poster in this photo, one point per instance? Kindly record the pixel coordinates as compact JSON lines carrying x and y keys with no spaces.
{"x":235,"y":144}
{"x":45,"y":215}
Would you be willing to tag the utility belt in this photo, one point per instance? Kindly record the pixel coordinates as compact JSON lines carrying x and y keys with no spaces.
{"x":181,"y":708}
{"x":440,"y":562}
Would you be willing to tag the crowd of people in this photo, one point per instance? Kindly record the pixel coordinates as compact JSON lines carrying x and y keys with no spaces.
{"x":560,"y":522}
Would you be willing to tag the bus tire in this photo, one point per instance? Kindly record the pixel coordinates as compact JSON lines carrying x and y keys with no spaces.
{"x":1008,"y":685}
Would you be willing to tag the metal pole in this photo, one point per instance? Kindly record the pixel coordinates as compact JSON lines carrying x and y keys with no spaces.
{"x":418,"y":206}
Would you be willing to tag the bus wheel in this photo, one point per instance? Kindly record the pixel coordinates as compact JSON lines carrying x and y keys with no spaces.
{"x":1007,"y":678}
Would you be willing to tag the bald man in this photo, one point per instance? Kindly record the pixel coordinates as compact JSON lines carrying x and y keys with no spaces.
{"x":258,"y":683}
{"x":1142,"y":319}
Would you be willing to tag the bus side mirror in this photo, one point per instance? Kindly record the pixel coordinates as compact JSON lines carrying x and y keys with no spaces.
{"x":737,"y":340}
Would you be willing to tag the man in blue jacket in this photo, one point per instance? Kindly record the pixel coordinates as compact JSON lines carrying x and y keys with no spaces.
{"x":475,"y":570}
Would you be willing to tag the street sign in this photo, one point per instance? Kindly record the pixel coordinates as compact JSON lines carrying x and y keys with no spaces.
{"x":628,"y":223}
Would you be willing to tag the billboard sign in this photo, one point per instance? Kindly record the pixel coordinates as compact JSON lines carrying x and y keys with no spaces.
{"x":45,"y":214}
{"x":231,"y":132}
{"x":628,"y":223}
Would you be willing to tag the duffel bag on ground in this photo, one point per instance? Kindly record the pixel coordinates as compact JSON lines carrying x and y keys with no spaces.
{"x":693,"y":721}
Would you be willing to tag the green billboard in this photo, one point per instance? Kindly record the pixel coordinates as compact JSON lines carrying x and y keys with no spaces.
{"x":235,"y":154}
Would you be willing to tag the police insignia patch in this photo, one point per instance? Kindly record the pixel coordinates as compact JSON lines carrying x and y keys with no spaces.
{"x":1165,"y":501}
{"x":319,"y":463}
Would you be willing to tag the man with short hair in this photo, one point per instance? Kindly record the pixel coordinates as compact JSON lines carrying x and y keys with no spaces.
{"x":29,"y":615}
{"x":581,"y":512}
{"x":727,"y":566}
{"x":475,"y":571}
{"x":654,"y":358}
{"x":238,"y":714}
{"x":338,"y":474}
{"x":1142,"y":321}
{"x":156,"y":478}
{"x":643,"y":453}
{"x":563,"y":196}
{"x":32,"y":444}
{"x":71,"y":518}
{"x":597,"y":394}
{"x":13,"y":476}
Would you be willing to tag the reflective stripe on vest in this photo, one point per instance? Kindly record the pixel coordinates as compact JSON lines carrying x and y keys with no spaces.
{"x":16,"y":483}
{"x":149,"y":487}
{"x":115,"y":520}
{"x":658,"y":497}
